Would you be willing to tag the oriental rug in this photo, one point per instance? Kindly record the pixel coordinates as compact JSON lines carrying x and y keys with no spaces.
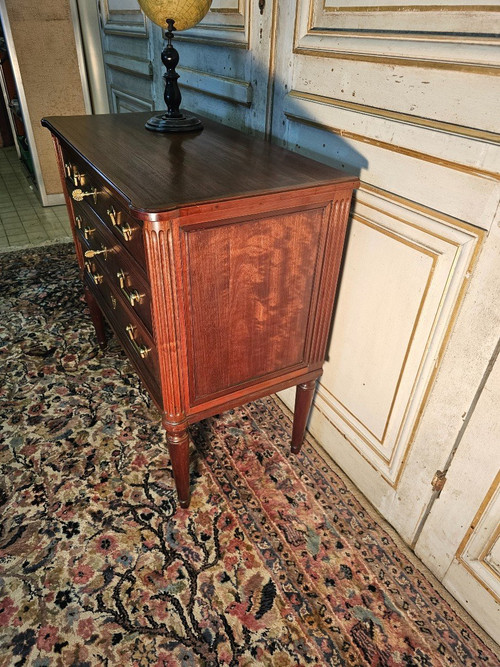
{"x":276,"y":562}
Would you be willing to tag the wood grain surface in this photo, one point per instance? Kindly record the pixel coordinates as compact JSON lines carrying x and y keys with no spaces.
{"x":249,"y":316}
{"x":159,"y":172}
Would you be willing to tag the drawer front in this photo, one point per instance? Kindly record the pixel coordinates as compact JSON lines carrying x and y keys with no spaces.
{"x":86,"y":187}
{"x":135,"y":339}
{"x":113,"y":262}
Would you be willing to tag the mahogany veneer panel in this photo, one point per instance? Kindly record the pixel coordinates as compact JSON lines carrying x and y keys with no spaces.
{"x":214,"y":257}
{"x":248,"y":283}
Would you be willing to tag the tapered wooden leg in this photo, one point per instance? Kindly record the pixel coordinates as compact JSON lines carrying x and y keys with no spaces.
{"x":97,"y":318}
{"x":178,"y":447}
{"x":303,"y":400}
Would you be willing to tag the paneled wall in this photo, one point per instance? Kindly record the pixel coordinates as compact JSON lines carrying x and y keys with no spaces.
{"x":405,"y":96}
{"x":225,"y":64}
{"x":127,"y":53}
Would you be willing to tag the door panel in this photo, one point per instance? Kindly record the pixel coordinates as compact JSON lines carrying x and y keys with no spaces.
{"x":126,"y":52}
{"x":226,"y":22}
{"x":403,"y":274}
{"x":392,"y":95}
{"x":461,"y":538}
{"x":420,"y":30}
{"x":225,"y":63}
{"x":455,"y":172}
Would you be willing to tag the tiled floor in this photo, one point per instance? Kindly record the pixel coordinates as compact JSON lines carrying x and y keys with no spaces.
{"x":23,"y":220}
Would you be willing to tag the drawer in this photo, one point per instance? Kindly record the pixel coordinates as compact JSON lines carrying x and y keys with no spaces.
{"x":135,"y":339}
{"x":88,"y":188}
{"x":115,"y":264}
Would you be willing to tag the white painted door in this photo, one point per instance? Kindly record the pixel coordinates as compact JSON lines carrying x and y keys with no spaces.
{"x":127,"y":55}
{"x":86,"y":22}
{"x":405,"y":97}
{"x":460,"y":540}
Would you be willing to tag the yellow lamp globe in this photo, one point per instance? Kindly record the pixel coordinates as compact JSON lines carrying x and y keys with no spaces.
{"x":185,"y":13}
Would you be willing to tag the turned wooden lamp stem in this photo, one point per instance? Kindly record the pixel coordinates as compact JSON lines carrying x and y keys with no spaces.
{"x":170,"y":58}
{"x":173,"y":120}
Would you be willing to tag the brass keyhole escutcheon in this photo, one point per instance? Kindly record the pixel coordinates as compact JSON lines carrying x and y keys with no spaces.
{"x":78,"y":194}
{"x":93,"y":253}
{"x":78,"y":179}
{"x":113,"y":216}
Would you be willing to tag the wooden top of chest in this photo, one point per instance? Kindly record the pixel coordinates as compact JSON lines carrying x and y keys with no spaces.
{"x":161,"y":172}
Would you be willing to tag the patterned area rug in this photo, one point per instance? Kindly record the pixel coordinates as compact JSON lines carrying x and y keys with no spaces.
{"x":276,"y":563}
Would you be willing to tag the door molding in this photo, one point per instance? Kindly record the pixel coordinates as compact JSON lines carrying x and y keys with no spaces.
{"x":416,"y":34}
{"x":444,"y":254}
{"x":124,"y":22}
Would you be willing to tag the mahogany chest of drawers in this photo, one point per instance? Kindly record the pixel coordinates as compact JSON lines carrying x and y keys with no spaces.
{"x":213,"y":255}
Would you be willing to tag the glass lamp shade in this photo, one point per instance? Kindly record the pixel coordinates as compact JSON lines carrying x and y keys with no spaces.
{"x":186,"y":13}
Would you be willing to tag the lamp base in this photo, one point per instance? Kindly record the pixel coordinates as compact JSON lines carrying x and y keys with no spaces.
{"x":177,"y":123}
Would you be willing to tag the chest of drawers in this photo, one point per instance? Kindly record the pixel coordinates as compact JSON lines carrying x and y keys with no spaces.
{"x":214,"y":256}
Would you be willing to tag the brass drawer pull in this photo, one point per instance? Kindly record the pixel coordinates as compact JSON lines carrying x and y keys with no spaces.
{"x":87,"y":230}
{"x":114,"y":216}
{"x":92,"y":253}
{"x":141,"y":350}
{"x":125,"y":230}
{"x":78,"y":194}
{"x":73,"y":173}
{"x":131,"y":296}
{"x":96,"y":277}
{"x":78,"y":179}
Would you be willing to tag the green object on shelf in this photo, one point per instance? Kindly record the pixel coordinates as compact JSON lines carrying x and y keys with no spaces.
{"x":26,"y":154}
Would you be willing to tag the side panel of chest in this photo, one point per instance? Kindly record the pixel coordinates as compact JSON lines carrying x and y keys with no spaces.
{"x":254,"y":290}
{"x":249,"y":287}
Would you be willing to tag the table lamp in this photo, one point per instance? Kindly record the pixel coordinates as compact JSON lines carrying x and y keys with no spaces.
{"x":178,"y":15}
